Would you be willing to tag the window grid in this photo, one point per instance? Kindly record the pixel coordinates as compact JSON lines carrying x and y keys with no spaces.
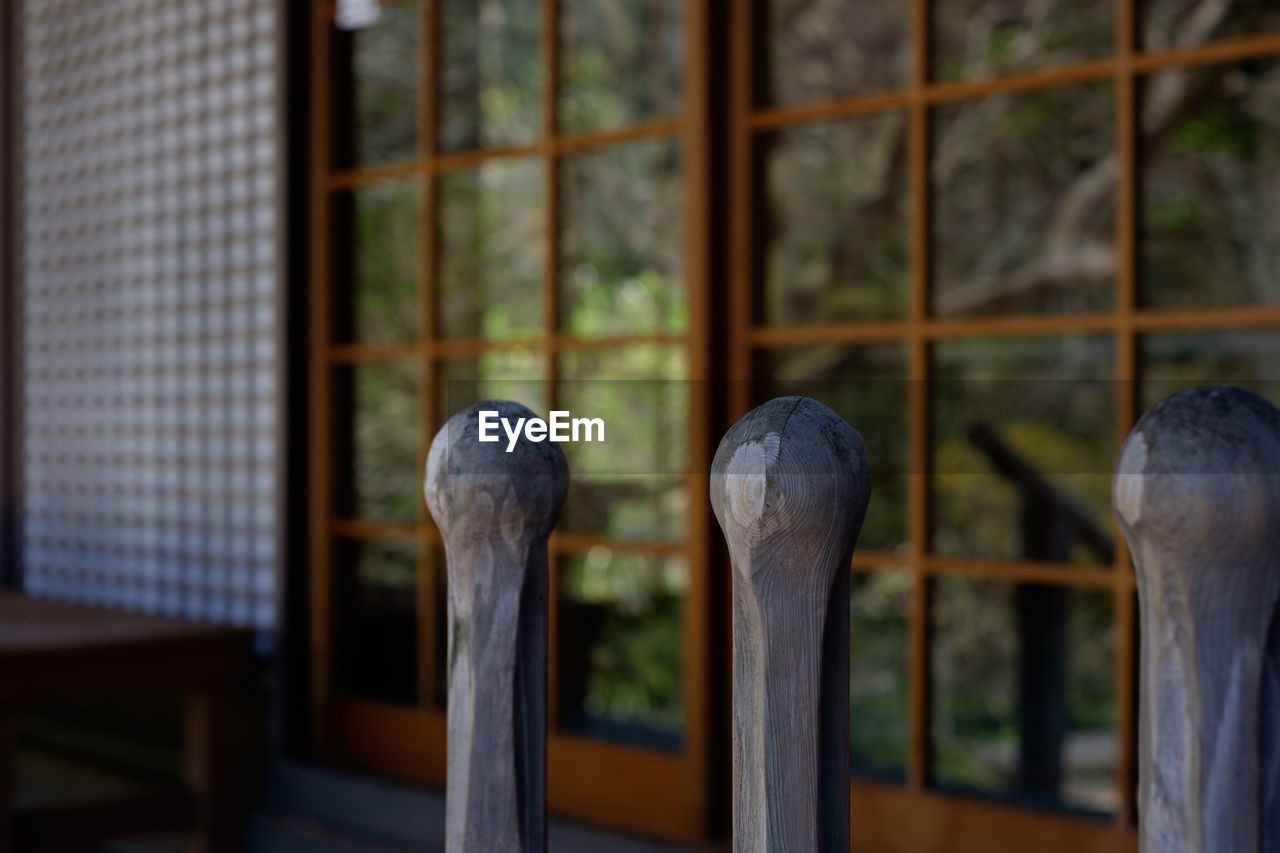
{"x":749,"y":122}
{"x":669,"y":775}
{"x":1125,"y":322}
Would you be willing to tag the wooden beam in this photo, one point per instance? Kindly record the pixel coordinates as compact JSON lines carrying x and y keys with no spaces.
{"x":789,"y":486}
{"x":1197,"y":495}
{"x":496,"y":510}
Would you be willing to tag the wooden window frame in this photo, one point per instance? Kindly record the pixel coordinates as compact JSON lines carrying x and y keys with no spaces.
{"x":584,"y":773}
{"x":641,"y":790}
{"x":915,"y":816}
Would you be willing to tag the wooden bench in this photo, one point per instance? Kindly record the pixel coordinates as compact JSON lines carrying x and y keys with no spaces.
{"x":51,"y":651}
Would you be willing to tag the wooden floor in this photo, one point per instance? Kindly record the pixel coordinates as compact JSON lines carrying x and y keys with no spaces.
{"x":318,"y":810}
{"x":327,"y":811}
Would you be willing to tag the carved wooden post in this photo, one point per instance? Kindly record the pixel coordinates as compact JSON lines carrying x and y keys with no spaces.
{"x":1197,"y":493}
{"x":789,"y":485}
{"x":495,"y":510}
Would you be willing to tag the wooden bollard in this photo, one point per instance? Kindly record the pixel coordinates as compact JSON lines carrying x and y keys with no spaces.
{"x":495,"y":510}
{"x":789,"y":485}
{"x":1197,"y":494}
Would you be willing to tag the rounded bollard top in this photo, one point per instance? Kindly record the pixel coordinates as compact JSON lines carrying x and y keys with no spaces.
{"x":791,"y":468}
{"x":1199,"y":470}
{"x":463,"y":472}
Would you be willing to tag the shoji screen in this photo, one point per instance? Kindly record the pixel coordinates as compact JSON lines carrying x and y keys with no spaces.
{"x":150,"y":317}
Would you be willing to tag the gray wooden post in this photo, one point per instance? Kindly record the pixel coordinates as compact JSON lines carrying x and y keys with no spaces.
{"x":495,"y":510}
{"x":1197,"y":494}
{"x":789,"y":484}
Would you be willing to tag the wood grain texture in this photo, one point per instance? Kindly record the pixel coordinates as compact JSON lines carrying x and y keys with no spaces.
{"x":495,"y":510}
{"x":1197,"y":495}
{"x":789,"y":486}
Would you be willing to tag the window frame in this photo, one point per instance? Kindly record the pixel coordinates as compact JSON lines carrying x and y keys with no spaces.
{"x":911,"y":816}
{"x":682,"y":797}
{"x":642,"y":790}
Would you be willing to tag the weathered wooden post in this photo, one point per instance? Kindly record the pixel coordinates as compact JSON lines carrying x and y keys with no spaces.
{"x":789,"y":485}
{"x":495,"y":510}
{"x":1197,"y":493}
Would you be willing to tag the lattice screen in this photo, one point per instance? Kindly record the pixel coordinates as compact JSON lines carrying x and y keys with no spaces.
{"x":150,"y":284}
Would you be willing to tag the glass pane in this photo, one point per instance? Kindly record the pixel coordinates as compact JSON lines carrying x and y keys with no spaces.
{"x":517,"y":375}
{"x":838,"y":206}
{"x":1182,"y":23}
{"x":985,"y":38}
{"x":867,"y":386}
{"x":824,"y":50}
{"x":490,"y":74}
{"x":631,"y":485}
{"x":1024,"y":203}
{"x":878,"y":673}
{"x":618,"y":673}
{"x":622,"y":241}
{"x":1211,"y":186}
{"x":1023,"y":693}
{"x":621,"y":62}
{"x":1023,"y":448}
{"x":491,"y":235}
{"x":375,"y":89}
{"x":377,"y":259}
{"x":376,"y":643}
{"x":377,"y":441}
{"x":1178,"y":362}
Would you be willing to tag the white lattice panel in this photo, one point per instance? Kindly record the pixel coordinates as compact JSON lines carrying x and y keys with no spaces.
{"x":150,"y":305}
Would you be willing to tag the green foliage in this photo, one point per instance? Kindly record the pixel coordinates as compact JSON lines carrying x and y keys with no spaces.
{"x":1175,"y":215}
{"x":622,"y":247}
{"x":385,"y":222}
{"x":838,"y":247}
{"x":621,"y":62}
{"x":381,"y":115}
{"x":386,"y":439}
{"x":975,"y":39}
{"x":649,"y":301}
{"x":632,"y":653}
{"x":1048,"y":400}
{"x":977,"y":510}
{"x":631,"y":485}
{"x":1219,"y":131}
{"x":1209,"y":183}
{"x":878,"y":671}
{"x":976,"y":654}
{"x":490,"y":74}
{"x":490,"y":251}
{"x":387,"y":564}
